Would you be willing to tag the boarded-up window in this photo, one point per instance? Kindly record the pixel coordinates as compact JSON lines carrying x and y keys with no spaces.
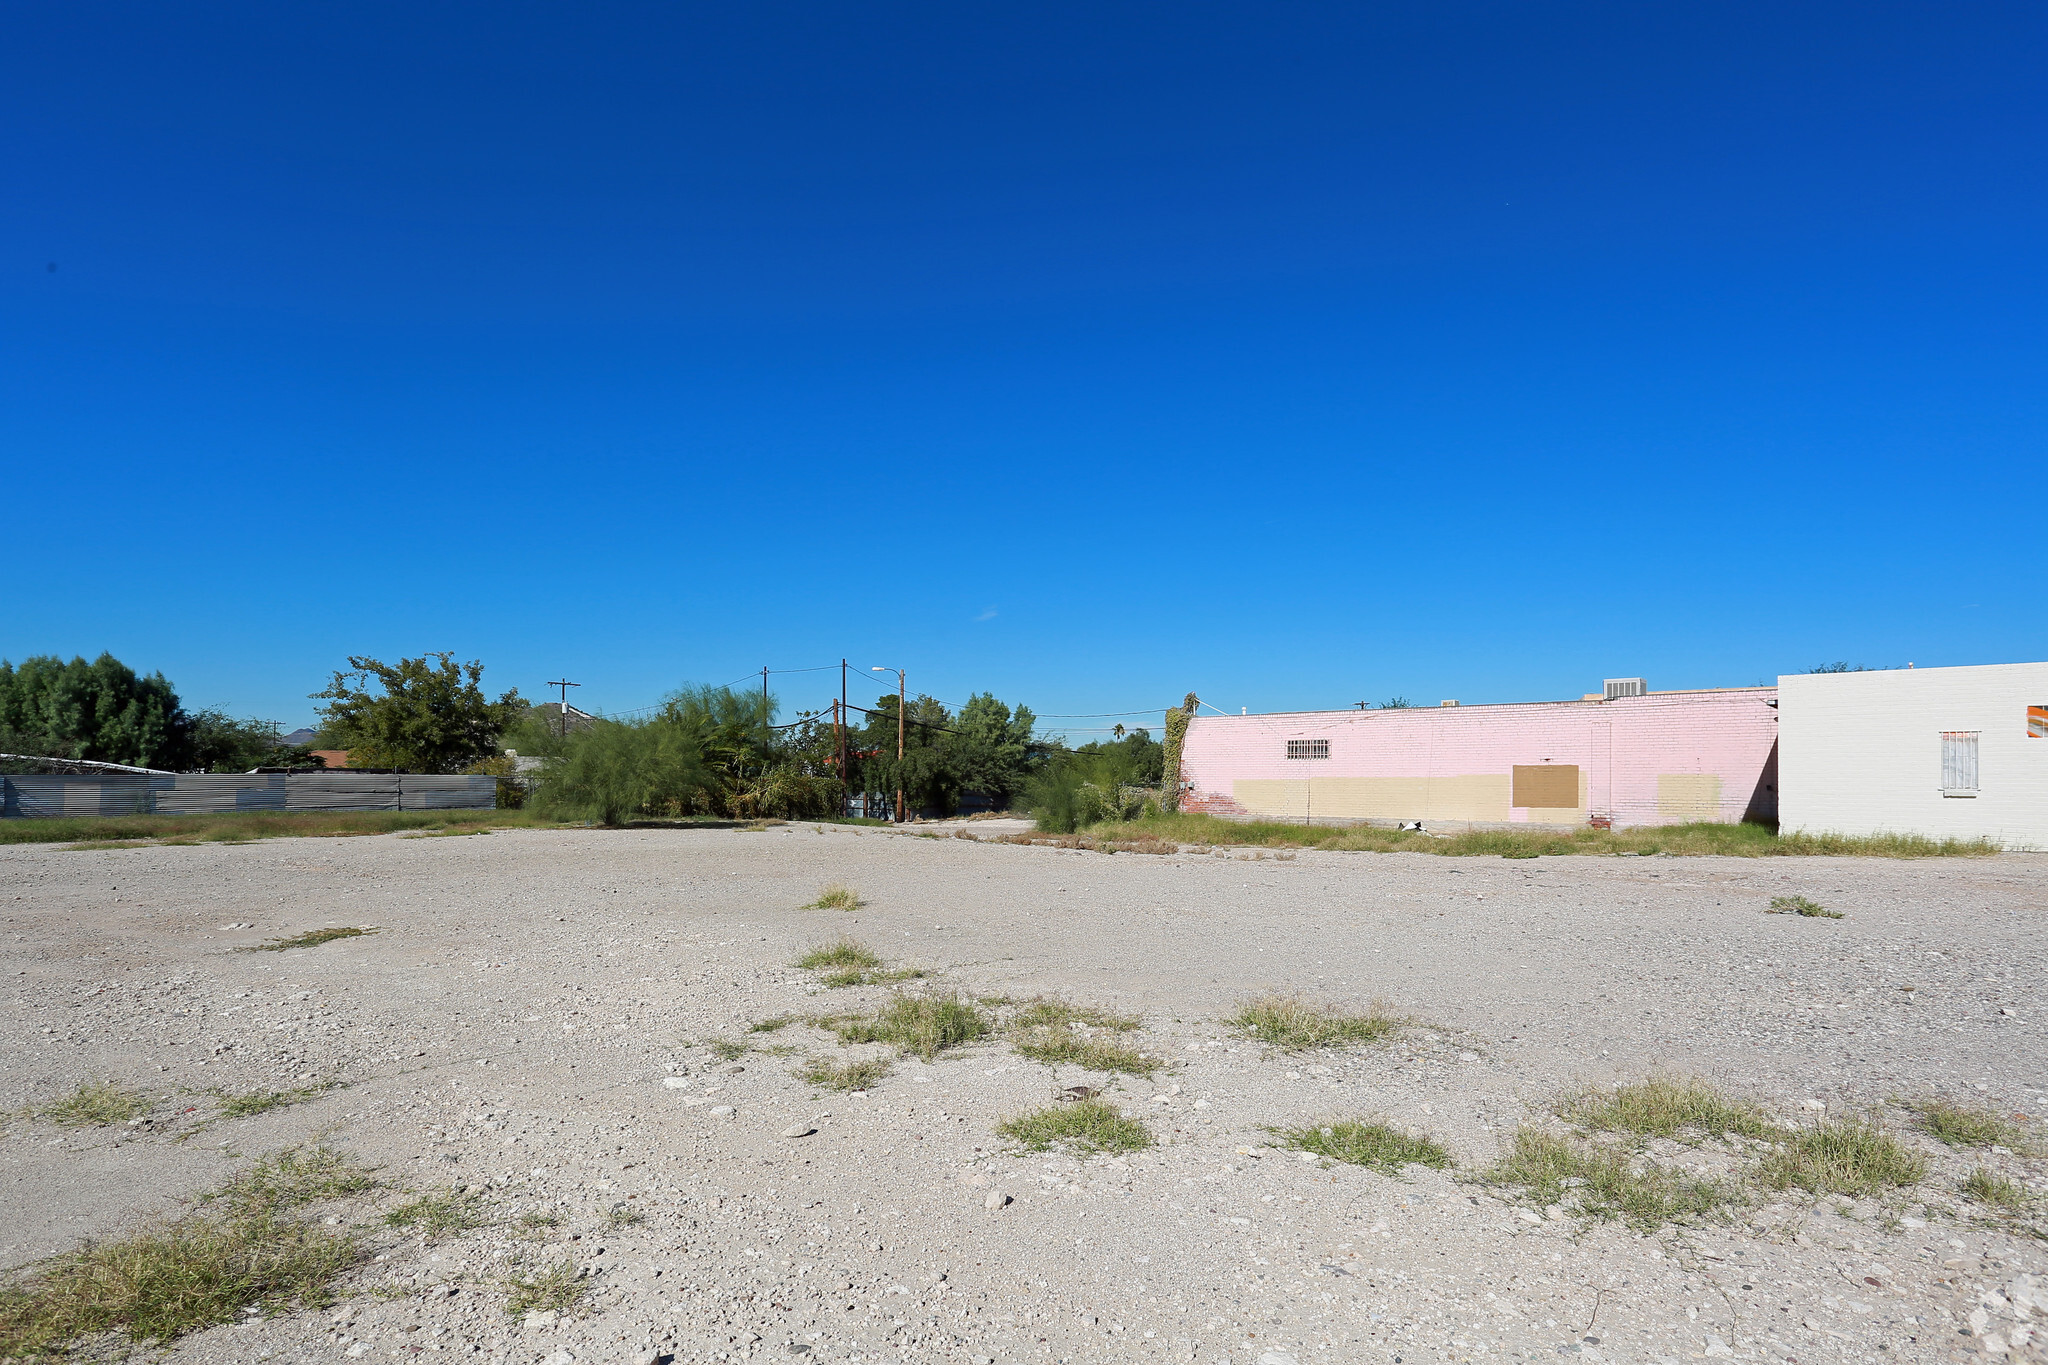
{"x":1551,"y":785}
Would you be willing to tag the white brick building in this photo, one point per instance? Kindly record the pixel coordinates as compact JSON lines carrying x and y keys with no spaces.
{"x":1946,"y":752}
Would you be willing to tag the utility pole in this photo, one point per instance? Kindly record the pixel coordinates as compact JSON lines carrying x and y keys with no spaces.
{"x":901,"y":697}
{"x":765,"y":717}
{"x":565,"y":685}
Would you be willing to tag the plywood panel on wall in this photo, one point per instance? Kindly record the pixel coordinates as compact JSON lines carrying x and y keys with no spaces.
{"x":1551,"y":785}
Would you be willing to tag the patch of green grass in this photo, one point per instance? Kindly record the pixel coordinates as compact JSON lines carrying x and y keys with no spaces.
{"x":780,"y":1021}
{"x":1057,"y":1032}
{"x":1605,"y":1184}
{"x":260,"y":1101}
{"x":1364,"y":1142}
{"x":1850,"y":1157}
{"x":538,"y":1222}
{"x":621,"y":1216}
{"x":174,"y":1277}
{"x":851,"y":1076}
{"x":856,"y":977}
{"x":1090,"y":1125}
{"x":1961,"y":1126}
{"x":840,"y":952}
{"x":95,"y":1104}
{"x":439,"y":1214}
{"x":312,"y":938}
{"x":291,"y":1179}
{"x":923,"y":1024}
{"x":1800,"y":905}
{"x":125,"y":831}
{"x":558,"y":1289}
{"x":1664,"y":1106}
{"x":1290,"y":1022}
{"x":1995,"y":1190}
{"x":728,"y":1049}
{"x":1704,"y":837}
{"x":837,"y":896}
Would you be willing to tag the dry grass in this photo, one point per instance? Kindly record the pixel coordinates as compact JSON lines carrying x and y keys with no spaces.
{"x":261,"y":1101}
{"x":1665,"y":1106}
{"x":440,"y":1214}
{"x":1057,"y":1033}
{"x":1290,"y":1022}
{"x":1852,"y":1157}
{"x":312,"y":938}
{"x":1742,"y":841}
{"x":922,"y":1024}
{"x":178,"y":1276}
{"x":95,"y":1104}
{"x":1962,"y":1126}
{"x":1606,"y":1184}
{"x":132,"y":831}
{"x":1995,"y":1190}
{"x":558,"y":1289}
{"x":1089,"y":1125}
{"x":1800,"y":905}
{"x":860,"y":1075}
{"x":848,"y":962}
{"x":1365,"y":1142}
{"x":838,"y":896}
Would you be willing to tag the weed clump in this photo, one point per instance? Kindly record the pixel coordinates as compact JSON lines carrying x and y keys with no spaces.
{"x":311,"y":939}
{"x":1664,"y":1106}
{"x":1800,"y":905}
{"x":1995,"y":1190}
{"x":838,"y":896}
{"x":175,"y":1277}
{"x":558,"y":1289}
{"x":1961,"y":1126}
{"x":1603,"y":1184}
{"x":860,"y":1075}
{"x":1290,"y":1022}
{"x":95,"y":1104}
{"x":848,"y":962}
{"x":1056,"y":1032}
{"x":1853,"y":1158}
{"x":261,"y":1101}
{"x":1089,"y":1125}
{"x":924,"y":1024}
{"x":1362,"y":1142}
{"x":729,"y":1049}
{"x":438,"y":1215}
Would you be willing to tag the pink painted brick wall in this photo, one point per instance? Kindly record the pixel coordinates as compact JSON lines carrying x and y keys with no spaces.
{"x":1646,"y":760}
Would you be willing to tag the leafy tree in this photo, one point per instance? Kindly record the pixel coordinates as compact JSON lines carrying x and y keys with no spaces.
{"x":222,"y":744}
{"x":432,"y":716}
{"x":992,"y":751}
{"x":100,"y":710}
{"x":1137,"y":759}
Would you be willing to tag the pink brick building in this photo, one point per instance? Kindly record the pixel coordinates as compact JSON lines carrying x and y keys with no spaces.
{"x":1656,"y":758}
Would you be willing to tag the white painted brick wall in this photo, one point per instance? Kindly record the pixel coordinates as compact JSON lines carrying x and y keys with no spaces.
{"x":1860,"y":753}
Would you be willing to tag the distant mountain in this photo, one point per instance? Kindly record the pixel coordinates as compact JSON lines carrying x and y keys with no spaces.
{"x":300,"y":736}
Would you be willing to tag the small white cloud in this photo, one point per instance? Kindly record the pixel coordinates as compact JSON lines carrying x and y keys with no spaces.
{"x":987,"y":614}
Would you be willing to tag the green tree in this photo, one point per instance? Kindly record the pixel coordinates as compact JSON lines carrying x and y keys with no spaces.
{"x":222,"y":744}
{"x":431,"y":717}
{"x":100,"y":710}
{"x":991,"y":753}
{"x":1135,"y":759}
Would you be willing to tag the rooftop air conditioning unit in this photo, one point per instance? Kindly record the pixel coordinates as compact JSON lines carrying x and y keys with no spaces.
{"x":1626,"y":687}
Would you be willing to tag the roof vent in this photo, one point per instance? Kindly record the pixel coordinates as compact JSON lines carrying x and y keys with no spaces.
{"x":1626,"y":687}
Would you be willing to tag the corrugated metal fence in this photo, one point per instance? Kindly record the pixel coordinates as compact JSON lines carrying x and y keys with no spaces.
{"x":200,"y":793}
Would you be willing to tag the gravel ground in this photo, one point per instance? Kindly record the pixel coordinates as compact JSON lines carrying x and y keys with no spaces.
{"x":530,"y":1023}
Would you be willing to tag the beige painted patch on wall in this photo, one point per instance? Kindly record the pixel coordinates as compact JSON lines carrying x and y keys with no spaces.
{"x":1689,"y":796}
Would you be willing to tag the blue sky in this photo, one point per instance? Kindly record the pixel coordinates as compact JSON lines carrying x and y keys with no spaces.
{"x":1294,"y":355}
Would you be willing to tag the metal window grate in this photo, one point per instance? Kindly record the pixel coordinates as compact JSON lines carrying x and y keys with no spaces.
{"x":1959,"y":760}
{"x":1308,"y":748}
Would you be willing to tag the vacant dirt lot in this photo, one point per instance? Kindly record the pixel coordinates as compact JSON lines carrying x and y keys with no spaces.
{"x":532,"y":1022}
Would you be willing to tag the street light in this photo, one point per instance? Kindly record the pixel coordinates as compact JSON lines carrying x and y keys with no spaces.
{"x":899,"y":733}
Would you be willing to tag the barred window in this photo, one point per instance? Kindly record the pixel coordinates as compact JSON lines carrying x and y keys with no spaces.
{"x":1959,"y":762}
{"x":1308,"y":748}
